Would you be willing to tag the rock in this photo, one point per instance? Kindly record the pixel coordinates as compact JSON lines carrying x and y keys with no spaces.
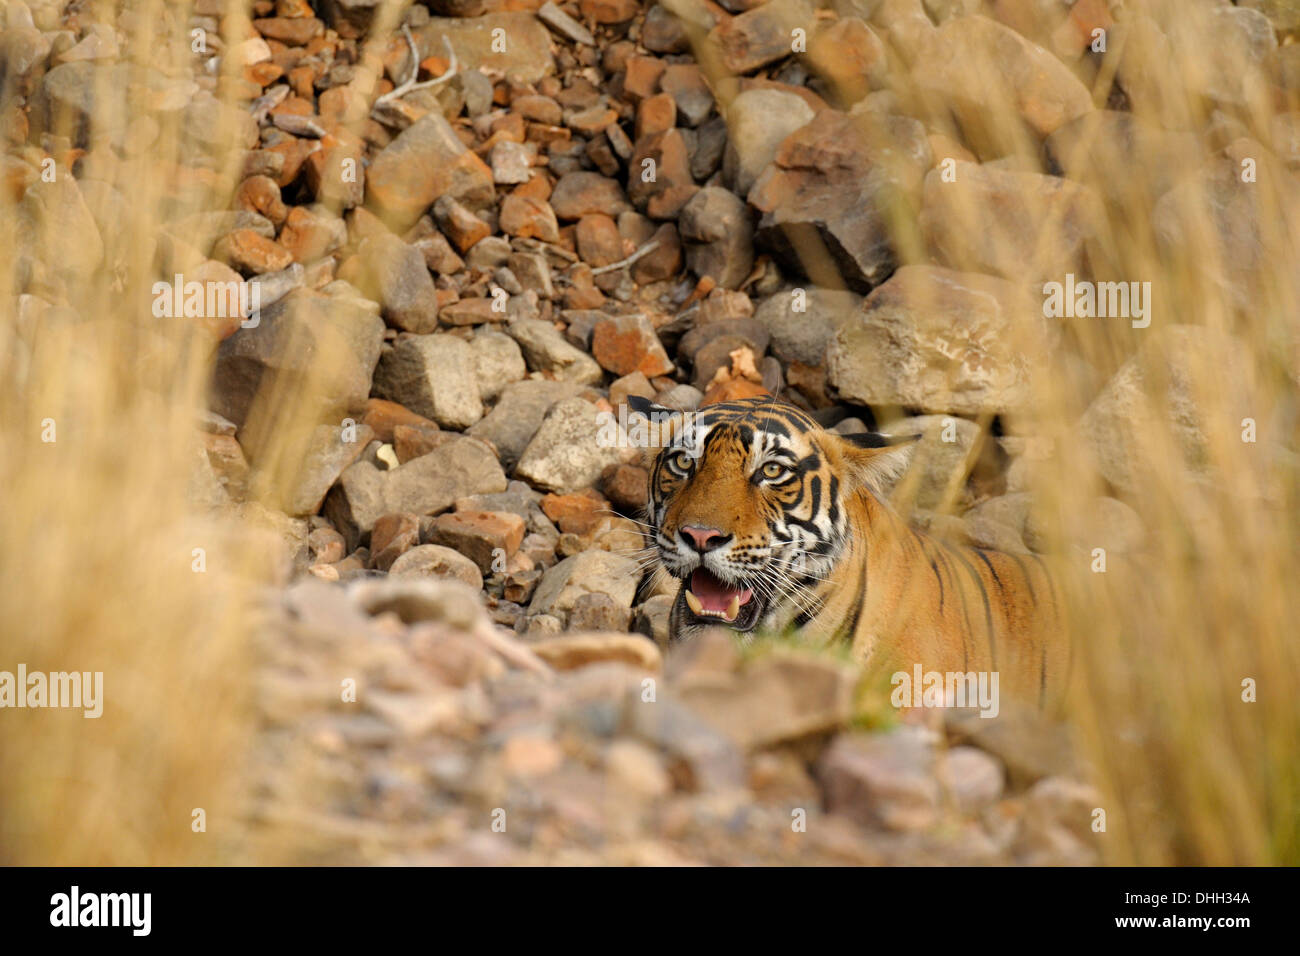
{"x":1214,"y":226}
{"x":310,"y":349}
{"x":935,"y":339}
{"x":329,"y":451}
{"x":762,"y":35}
{"x":757,"y":122}
{"x":485,"y":537}
{"x":690,"y":93}
{"x":458,"y":224}
{"x":433,"y":376}
{"x":526,"y":56}
{"x":250,"y":253}
{"x":663,"y":195}
{"x":581,"y":194}
{"x":563,"y":24}
{"x":310,"y":236}
{"x":431,"y":560}
{"x":497,"y":362}
{"x":528,"y":217}
{"x":702,"y":759}
{"x":518,"y":414}
{"x":512,"y":162}
{"x":849,"y":57}
{"x":1057,"y":823}
{"x":802,"y":336}
{"x":623,"y":344}
{"x":392,"y":536}
{"x":598,"y":240}
{"x":426,"y":161}
{"x":394,"y":274}
{"x":628,"y":487}
{"x":1020,"y":225}
{"x":1109,"y":523}
{"x":845,"y":178}
{"x":634,"y":768}
{"x":424,"y":486}
{"x":568,"y":652}
{"x":384,"y":416}
{"x":1029,"y":747}
{"x":567,"y":452}
{"x":1103,"y":147}
{"x":596,"y":612}
{"x":882,"y":780}
{"x":972,"y":61}
{"x":546,"y":350}
{"x":718,"y":235}
{"x":54,"y":227}
{"x":938,"y":459}
{"x":973,"y":778}
{"x":1186,"y":364}
{"x":589,"y":572}
{"x":781,"y":696}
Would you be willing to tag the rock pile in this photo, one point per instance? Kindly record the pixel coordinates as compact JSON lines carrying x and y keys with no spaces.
{"x":476,"y":231}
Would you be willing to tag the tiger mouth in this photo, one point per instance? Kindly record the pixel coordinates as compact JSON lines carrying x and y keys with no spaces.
{"x":711,"y":600}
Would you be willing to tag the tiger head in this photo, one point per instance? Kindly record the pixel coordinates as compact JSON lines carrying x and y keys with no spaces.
{"x":749,"y":507}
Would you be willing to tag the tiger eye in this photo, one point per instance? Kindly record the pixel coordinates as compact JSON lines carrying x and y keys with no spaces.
{"x":773,"y":470}
{"x":681,"y":461}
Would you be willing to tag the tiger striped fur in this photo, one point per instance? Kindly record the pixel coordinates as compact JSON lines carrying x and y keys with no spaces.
{"x":772,"y":522}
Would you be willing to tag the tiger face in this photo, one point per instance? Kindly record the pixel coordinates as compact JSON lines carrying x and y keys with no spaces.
{"x":748,"y":509}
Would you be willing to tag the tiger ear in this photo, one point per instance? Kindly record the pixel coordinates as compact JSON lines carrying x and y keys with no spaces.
{"x":876,"y":461}
{"x":647,"y":409}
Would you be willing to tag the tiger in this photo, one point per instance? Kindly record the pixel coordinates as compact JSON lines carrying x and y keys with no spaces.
{"x":773,"y":524}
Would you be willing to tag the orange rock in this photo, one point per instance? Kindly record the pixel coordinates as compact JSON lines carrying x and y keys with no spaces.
{"x":383,"y":416}
{"x":260,"y":194}
{"x":487,"y":538}
{"x":248,"y":251}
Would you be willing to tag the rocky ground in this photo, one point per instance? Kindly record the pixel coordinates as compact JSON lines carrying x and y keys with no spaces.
{"x":563,"y":209}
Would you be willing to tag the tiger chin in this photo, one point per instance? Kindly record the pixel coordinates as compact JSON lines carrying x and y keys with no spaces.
{"x":772,"y":523}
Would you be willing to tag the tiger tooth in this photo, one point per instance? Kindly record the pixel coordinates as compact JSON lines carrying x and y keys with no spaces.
{"x":732,"y":609}
{"x":693,"y":602}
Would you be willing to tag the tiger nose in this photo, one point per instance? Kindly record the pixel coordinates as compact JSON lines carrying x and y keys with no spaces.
{"x":705,"y":539}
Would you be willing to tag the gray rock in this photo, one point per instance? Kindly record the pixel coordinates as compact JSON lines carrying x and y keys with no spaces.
{"x":718,"y":236}
{"x":394,"y":274}
{"x":882,"y":780}
{"x":435,"y":561}
{"x":1206,"y":377}
{"x":1021,"y":225}
{"x":433,"y":376}
{"x":546,"y":350}
{"x":566,"y":454}
{"x":307,"y":346}
{"x":803,"y":336}
{"x":55,"y":227}
{"x":973,"y":778}
{"x":425,"y":485}
{"x":513,"y":422}
{"x":936,"y":462}
{"x":757,"y":122}
{"x":328,"y":452}
{"x":497,"y":362}
{"x":589,"y":572}
{"x":935,"y":339}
